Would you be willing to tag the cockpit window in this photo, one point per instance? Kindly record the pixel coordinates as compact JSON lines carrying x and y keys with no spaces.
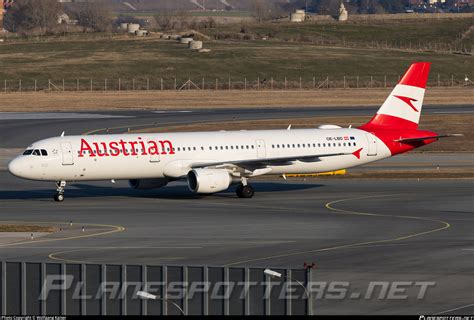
{"x":27,"y":152}
{"x":36,"y":152}
{"x":44,"y":152}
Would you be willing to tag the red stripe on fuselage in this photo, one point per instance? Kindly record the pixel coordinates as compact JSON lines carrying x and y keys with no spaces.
{"x":388,"y":137}
{"x":383,"y":121}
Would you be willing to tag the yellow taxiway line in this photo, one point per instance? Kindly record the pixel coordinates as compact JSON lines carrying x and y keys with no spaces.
{"x":329,"y":206}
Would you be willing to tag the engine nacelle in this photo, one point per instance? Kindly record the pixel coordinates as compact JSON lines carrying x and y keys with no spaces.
{"x":208,"y":180}
{"x":147,"y":184}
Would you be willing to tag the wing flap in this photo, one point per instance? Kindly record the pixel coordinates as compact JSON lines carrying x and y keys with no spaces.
{"x":261,"y":163}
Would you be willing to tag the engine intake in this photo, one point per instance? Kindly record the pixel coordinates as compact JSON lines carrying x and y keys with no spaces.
{"x":208,"y":180}
{"x":147,"y":184}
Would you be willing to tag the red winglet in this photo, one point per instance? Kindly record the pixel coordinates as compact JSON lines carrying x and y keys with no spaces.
{"x":416,"y":75}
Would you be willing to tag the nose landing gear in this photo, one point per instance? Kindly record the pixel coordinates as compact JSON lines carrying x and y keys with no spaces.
{"x":59,"y":196}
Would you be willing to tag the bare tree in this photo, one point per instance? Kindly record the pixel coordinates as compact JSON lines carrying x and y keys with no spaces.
{"x":30,"y":15}
{"x":263,"y":10}
{"x":330,"y":7}
{"x":173,"y":20}
{"x":93,"y":15}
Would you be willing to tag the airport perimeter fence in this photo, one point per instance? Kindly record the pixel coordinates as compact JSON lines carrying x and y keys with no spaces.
{"x":259,"y":83}
{"x":107,"y":289}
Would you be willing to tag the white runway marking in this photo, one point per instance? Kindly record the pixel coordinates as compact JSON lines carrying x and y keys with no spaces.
{"x":56,"y":115}
{"x":172,"y":111}
{"x":453,"y":112}
{"x":99,"y":247}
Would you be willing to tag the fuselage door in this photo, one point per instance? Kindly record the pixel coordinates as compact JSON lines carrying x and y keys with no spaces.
{"x":261,"y":151}
{"x":372,"y":145}
{"x":66,"y":150}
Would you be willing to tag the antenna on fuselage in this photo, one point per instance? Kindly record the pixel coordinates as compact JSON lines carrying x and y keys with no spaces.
{"x":289,"y":127}
{"x":62,"y":134}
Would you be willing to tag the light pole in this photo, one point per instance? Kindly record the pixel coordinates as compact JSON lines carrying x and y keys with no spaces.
{"x":150,"y":296}
{"x":273,"y":274}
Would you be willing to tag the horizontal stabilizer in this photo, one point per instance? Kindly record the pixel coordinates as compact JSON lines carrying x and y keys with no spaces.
{"x":408,"y":140}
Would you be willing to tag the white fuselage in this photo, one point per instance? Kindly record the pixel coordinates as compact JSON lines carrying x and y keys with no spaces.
{"x":112,"y":156}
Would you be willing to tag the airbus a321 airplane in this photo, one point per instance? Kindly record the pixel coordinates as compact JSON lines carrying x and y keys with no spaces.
{"x":213,"y":161}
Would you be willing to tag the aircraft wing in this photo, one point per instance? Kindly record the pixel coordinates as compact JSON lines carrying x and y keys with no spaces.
{"x":252,"y":164}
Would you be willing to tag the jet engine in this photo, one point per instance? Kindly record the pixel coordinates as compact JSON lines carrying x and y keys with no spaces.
{"x":208,"y":180}
{"x":147,"y":184}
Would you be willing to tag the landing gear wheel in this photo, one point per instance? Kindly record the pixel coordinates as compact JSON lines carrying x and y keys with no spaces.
{"x":239,"y":189}
{"x":245,"y":191}
{"x":59,"y":196}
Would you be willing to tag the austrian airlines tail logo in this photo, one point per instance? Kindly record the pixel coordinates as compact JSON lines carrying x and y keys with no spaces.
{"x":357,"y":153}
{"x":408,"y":101}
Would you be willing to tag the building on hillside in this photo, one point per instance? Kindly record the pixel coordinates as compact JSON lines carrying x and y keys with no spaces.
{"x":6,"y":4}
{"x":462,"y":3}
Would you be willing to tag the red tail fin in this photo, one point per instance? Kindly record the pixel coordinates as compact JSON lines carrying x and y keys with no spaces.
{"x":402,"y":108}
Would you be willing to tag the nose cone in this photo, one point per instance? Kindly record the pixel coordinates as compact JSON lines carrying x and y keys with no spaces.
{"x":15,"y":168}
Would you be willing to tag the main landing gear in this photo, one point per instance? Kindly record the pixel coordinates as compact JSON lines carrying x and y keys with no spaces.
{"x":59,"y":196}
{"x":244,"y":190}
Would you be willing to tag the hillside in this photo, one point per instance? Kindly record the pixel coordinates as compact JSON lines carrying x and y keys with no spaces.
{"x":153,"y":5}
{"x":350,"y":54}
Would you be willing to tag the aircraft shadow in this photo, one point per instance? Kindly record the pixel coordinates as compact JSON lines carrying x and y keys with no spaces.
{"x":167,"y":192}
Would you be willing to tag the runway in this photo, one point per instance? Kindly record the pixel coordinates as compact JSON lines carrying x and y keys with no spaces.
{"x":20,"y":129}
{"x":353,"y":230}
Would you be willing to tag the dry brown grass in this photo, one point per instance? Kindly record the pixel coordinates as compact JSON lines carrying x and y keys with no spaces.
{"x":95,"y":101}
{"x":26,"y":228}
{"x":440,"y":123}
